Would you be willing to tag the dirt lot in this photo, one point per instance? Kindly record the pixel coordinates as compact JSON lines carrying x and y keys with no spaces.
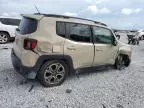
{"x":107,"y":88}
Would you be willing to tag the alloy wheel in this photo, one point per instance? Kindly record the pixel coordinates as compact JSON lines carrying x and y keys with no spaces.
{"x":54,"y":73}
{"x":3,"y":38}
{"x":120,"y":63}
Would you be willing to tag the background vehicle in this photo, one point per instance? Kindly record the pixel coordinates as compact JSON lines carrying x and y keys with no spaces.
{"x":140,"y":34}
{"x":132,"y":37}
{"x":51,"y":46}
{"x":7,"y":28}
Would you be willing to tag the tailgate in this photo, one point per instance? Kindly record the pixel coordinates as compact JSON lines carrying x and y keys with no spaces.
{"x":27,"y":27}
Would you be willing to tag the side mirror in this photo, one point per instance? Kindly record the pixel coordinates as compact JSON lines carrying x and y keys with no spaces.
{"x":114,"y":42}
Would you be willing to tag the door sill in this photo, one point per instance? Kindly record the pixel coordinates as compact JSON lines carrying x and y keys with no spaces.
{"x":95,"y":68}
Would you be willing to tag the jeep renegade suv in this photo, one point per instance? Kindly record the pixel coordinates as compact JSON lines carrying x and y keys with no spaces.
{"x":51,"y":46}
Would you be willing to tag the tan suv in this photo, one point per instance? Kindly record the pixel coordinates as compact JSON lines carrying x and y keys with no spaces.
{"x":51,"y":46}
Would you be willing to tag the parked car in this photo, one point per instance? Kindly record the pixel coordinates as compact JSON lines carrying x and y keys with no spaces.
{"x":140,"y":34}
{"x":133,"y":38}
{"x":51,"y":46}
{"x":7,"y":28}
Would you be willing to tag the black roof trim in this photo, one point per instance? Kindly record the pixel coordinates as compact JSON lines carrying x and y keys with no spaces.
{"x":63,"y":16}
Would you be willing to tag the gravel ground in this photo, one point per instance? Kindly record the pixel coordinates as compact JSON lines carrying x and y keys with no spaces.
{"x":108,"y":88}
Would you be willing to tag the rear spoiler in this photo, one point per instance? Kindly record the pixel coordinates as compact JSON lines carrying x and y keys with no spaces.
{"x":37,"y":17}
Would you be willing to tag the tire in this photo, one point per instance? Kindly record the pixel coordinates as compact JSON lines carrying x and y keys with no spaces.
{"x":4,"y":37}
{"x":52,"y":73}
{"x":120,"y":62}
{"x":142,"y":37}
{"x":137,"y":42}
{"x":130,"y":42}
{"x":134,"y":42}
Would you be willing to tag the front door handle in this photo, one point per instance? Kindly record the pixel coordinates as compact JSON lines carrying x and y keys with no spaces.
{"x":71,"y":48}
{"x":99,"y":50}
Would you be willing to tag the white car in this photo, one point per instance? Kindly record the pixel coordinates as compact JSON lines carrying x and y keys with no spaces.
{"x":7,"y":28}
{"x":140,"y":34}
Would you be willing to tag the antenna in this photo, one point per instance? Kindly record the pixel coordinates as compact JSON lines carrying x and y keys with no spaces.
{"x":36,"y":8}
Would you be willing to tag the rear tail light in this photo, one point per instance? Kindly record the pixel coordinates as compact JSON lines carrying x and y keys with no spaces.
{"x":30,"y":44}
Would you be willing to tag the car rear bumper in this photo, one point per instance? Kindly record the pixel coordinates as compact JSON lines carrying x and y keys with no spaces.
{"x":27,"y":72}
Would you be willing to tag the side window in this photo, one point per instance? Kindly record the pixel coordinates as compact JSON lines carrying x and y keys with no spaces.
{"x":0,"y":19}
{"x":8,"y":21}
{"x":4,"y":21}
{"x":16,"y":22}
{"x":60,"y":29}
{"x":102,"y":35}
{"x":79,"y":32}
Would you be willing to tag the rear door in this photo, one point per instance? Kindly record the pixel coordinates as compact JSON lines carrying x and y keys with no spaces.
{"x":79,"y":44}
{"x":105,"y":51}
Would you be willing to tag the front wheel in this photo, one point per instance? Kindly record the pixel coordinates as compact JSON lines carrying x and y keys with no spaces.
{"x":121,"y":62}
{"x":53,"y":73}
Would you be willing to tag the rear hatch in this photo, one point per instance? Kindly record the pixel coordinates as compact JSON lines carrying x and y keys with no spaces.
{"x":28,"y":27}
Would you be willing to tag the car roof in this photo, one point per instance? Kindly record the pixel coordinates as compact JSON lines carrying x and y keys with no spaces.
{"x":38,"y":16}
{"x":63,"y":16}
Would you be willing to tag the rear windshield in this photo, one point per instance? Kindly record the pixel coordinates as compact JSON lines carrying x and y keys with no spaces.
{"x":27,"y":26}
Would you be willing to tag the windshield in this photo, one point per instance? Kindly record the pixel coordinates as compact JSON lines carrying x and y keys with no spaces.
{"x":27,"y":26}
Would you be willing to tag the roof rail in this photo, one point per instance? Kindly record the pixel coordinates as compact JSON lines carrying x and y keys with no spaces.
{"x":63,"y":16}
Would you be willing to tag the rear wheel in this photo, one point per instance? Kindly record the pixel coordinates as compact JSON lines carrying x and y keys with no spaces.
{"x":4,"y":37}
{"x":53,"y":73}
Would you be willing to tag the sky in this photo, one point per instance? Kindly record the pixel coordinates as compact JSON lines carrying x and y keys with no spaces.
{"x":118,"y":14}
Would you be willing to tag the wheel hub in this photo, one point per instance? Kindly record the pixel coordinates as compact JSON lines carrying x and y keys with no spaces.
{"x":54,"y":73}
{"x":3,"y":38}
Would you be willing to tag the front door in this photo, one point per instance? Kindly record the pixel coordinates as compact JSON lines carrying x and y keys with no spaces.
{"x":105,"y":51}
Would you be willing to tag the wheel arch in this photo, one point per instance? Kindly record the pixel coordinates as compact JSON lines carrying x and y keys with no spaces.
{"x":43,"y":59}
{"x":5,"y":32}
{"x":126,"y":53}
